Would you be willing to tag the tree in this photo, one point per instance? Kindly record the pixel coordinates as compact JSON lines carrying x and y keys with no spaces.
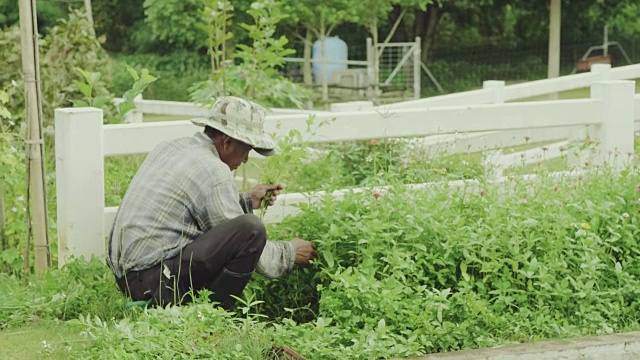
{"x":319,"y":19}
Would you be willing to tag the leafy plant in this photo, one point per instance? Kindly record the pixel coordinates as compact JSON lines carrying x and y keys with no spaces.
{"x":91,"y":79}
{"x":141,"y":81}
{"x":12,"y":171}
{"x":256,"y":77}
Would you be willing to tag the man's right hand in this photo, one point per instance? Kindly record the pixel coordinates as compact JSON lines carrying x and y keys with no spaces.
{"x":305,"y":251}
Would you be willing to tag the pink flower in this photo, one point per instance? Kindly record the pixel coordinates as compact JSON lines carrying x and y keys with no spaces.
{"x":374,"y":142}
{"x":376,"y":194}
{"x":482,"y":193}
{"x":545,"y":149}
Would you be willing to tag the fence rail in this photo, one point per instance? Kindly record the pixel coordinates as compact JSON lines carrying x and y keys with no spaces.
{"x":82,"y":142}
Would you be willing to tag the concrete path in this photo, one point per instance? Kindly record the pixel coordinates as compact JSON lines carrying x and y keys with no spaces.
{"x":610,"y":347}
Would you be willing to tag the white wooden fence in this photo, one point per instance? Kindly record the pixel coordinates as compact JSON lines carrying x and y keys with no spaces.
{"x":82,"y":142}
{"x":493,"y":92}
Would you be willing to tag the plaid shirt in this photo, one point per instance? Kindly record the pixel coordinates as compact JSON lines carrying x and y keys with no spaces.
{"x":181,"y":191}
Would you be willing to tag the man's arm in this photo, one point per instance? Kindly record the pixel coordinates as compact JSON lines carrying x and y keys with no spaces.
{"x":278,"y":257}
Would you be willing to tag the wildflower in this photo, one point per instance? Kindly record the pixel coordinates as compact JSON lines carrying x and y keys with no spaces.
{"x":580,"y":233}
{"x":523,"y":201}
{"x":585,"y":226}
{"x":368,"y":158}
{"x":200,"y":316}
{"x":14,"y":83}
{"x":376,"y":194}
{"x":46,"y":345}
{"x":14,"y":209}
{"x":482,"y":193}
{"x":625,"y":215}
{"x":440,"y":171}
{"x":638,"y":188}
{"x":374,"y":142}
{"x":526,"y":139}
{"x":13,"y":149}
{"x":20,"y":198}
{"x":544,"y":148}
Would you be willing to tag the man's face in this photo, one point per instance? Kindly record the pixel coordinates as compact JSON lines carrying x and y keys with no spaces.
{"x":234,"y":153}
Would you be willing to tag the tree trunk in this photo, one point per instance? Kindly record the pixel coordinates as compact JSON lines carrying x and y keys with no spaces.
{"x":401,"y":34}
{"x":306,"y":66}
{"x":426,"y":26}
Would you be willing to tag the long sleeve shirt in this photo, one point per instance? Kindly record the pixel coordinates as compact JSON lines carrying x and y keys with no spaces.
{"x":181,"y":191}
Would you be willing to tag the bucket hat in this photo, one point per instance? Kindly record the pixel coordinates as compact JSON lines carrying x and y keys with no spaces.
{"x":242,"y":120}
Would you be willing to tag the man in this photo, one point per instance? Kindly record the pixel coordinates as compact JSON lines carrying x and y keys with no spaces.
{"x":183,"y":227}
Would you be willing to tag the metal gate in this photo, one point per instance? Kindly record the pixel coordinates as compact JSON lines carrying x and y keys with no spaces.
{"x":395,"y":69}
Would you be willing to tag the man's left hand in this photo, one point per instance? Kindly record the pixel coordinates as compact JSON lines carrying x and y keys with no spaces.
{"x":261,"y":190}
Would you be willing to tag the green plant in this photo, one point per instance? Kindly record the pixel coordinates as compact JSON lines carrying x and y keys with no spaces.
{"x":141,"y":81}
{"x":256,"y":77}
{"x":191,"y":332}
{"x":80,"y":287}
{"x":12,"y":182}
{"x":86,"y":88}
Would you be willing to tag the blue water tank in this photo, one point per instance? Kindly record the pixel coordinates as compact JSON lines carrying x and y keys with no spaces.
{"x":335,"y":49}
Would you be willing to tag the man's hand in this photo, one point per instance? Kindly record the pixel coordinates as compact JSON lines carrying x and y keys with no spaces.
{"x":305,"y":251}
{"x":260,"y":191}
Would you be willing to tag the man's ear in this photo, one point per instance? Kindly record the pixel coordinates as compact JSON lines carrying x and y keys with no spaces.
{"x":227,"y":143}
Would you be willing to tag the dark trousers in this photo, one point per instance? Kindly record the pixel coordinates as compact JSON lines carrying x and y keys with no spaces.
{"x":221,"y":260}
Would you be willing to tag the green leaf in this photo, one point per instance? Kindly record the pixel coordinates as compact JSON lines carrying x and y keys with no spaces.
{"x":328,"y":257}
{"x":5,"y":113}
{"x":80,"y":103}
{"x":94,"y":78}
{"x":133,"y":73}
{"x":85,"y":89}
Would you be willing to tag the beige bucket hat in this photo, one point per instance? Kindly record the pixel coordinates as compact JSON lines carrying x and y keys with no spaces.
{"x":242,"y":120}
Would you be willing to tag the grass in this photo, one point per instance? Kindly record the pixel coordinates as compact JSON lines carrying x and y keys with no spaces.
{"x":160,"y":117}
{"x":45,"y":339}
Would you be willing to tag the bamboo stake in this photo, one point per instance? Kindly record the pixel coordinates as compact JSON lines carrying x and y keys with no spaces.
{"x":34,"y":143}
{"x":87,"y":7}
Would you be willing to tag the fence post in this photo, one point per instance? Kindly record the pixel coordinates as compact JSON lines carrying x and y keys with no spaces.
{"x":616,"y":132}
{"x":417,"y":60}
{"x":602,"y":72}
{"x":79,"y":183}
{"x":370,"y":69}
{"x":498,"y":90}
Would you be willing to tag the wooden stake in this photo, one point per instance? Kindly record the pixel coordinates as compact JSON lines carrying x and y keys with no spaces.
{"x":34,"y":140}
